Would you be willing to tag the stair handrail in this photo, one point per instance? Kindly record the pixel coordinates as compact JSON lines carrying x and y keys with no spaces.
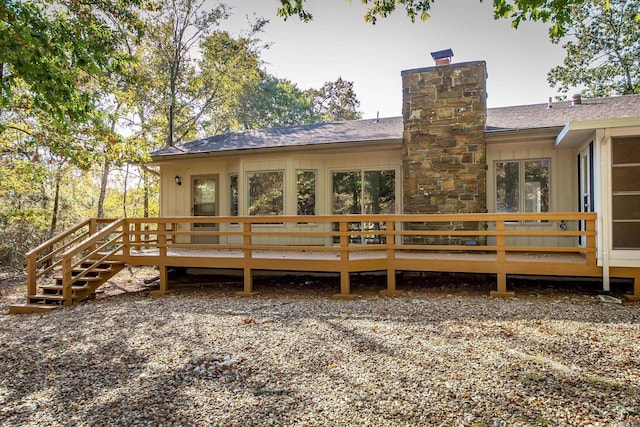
{"x":90,"y":242}
{"x":32,"y":256}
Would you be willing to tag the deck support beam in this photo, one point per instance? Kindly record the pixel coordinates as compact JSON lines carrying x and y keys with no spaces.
{"x":345,"y":287}
{"x":248,"y":285}
{"x":391,"y":290}
{"x":636,"y":290}
{"x":502,"y":287}
{"x":164,"y":282}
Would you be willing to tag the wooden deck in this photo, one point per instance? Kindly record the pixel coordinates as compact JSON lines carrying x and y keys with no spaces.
{"x":558,"y":244}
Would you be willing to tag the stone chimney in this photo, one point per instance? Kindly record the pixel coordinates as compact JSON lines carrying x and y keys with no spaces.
{"x":444,"y":111}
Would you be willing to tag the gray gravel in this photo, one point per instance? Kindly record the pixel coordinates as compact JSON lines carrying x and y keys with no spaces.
{"x":200,"y":357}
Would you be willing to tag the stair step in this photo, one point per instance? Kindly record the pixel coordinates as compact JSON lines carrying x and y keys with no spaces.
{"x":48,"y":297}
{"x":53,"y":287}
{"x":83,"y":279}
{"x":32,"y":308}
{"x":108,"y":262}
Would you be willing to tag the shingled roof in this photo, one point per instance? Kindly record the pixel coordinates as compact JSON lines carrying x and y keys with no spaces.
{"x":498,"y":119}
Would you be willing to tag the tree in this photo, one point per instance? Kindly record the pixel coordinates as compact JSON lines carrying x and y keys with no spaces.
{"x":54,"y":54}
{"x":275,"y":102}
{"x":603,"y":51}
{"x":556,"y":12}
{"x":336,"y":101}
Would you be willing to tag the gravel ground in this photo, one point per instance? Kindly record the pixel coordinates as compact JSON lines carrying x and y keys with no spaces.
{"x":293,"y":356}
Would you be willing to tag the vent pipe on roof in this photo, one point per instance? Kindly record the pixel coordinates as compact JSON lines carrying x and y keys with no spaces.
{"x":549,"y":104}
{"x":577,"y":99}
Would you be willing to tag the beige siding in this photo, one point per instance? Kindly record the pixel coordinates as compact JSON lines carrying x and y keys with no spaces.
{"x":176,"y":200}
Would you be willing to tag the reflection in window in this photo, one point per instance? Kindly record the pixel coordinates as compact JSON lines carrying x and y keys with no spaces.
{"x":347,"y":193}
{"x":266,"y":193}
{"x":364,"y":192}
{"x":233,"y":193}
{"x":379,"y":192}
{"x":306,"y":192}
{"x":507,"y":194}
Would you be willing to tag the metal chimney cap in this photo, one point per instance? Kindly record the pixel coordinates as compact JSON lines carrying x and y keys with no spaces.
{"x":442,"y":54}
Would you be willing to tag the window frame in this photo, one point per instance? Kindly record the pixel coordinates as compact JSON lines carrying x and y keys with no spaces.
{"x":248,"y":190}
{"x":522,"y":184}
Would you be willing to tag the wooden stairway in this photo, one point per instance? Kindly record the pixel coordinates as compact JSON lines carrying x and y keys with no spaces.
{"x":50,"y":296}
{"x":84,"y":257}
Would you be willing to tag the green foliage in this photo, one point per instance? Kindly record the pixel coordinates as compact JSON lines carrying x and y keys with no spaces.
{"x":275,"y":103}
{"x":556,"y":12}
{"x":603,"y":51}
{"x":59,"y":50}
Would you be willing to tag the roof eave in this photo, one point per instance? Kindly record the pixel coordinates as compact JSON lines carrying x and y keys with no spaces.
{"x":576,"y":132}
{"x":318,"y":147}
{"x":516,"y":135}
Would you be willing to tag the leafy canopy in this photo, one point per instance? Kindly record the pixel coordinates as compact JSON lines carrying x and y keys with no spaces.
{"x":556,"y":12}
{"x":603,"y":50}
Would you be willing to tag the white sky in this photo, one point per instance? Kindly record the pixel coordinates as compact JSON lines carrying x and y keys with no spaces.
{"x":338,"y":43}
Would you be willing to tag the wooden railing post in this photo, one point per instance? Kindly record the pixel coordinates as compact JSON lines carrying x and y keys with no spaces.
{"x":391,"y":272}
{"x":32,"y":274}
{"x":590,"y":228}
{"x":126,"y":240}
{"x":247,"y":255}
{"x":345,"y":282}
{"x":67,"y":277}
{"x":501,"y":258}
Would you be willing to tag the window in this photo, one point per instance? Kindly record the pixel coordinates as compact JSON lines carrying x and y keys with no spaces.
{"x":306,"y":192}
{"x":522,"y":185}
{"x":625,"y":196}
{"x":233,"y":194}
{"x":266,"y":193}
{"x":364,"y":192}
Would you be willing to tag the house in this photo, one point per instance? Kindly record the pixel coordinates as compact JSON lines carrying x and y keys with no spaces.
{"x":447,"y":154}
{"x":545,"y":189}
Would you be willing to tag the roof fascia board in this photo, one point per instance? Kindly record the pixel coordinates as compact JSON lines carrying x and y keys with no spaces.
{"x":576,"y":131}
{"x":522,"y":135}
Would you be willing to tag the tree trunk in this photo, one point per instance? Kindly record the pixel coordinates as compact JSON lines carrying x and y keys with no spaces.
{"x":145,"y":183}
{"x":56,"y":206}
{"x":103,"y":187}
{"x":124,"y":191}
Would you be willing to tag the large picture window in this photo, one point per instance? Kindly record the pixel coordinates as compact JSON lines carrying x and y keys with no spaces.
{"x":364,"y":192}
{"x":266,"y":193}
{"x":522,"y":185}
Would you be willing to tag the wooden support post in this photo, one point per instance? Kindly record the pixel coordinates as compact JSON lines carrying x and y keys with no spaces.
{"x":162,"y":251}
{"x":501,"y":258}
{"x":126,"y":240}
{"x":345,"y":280}
{"x":32,"y":272}
{"x":591,"y":241}
{"x":391,"y":290}
{"x":248,"y":273}
{"x":67,"y":276}
{"x":137,"y":237}
{"x":164,"y":283}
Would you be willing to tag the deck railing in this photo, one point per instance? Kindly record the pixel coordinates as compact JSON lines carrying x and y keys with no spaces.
{"x":562,"y":244}
{"x":349,"y":243}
